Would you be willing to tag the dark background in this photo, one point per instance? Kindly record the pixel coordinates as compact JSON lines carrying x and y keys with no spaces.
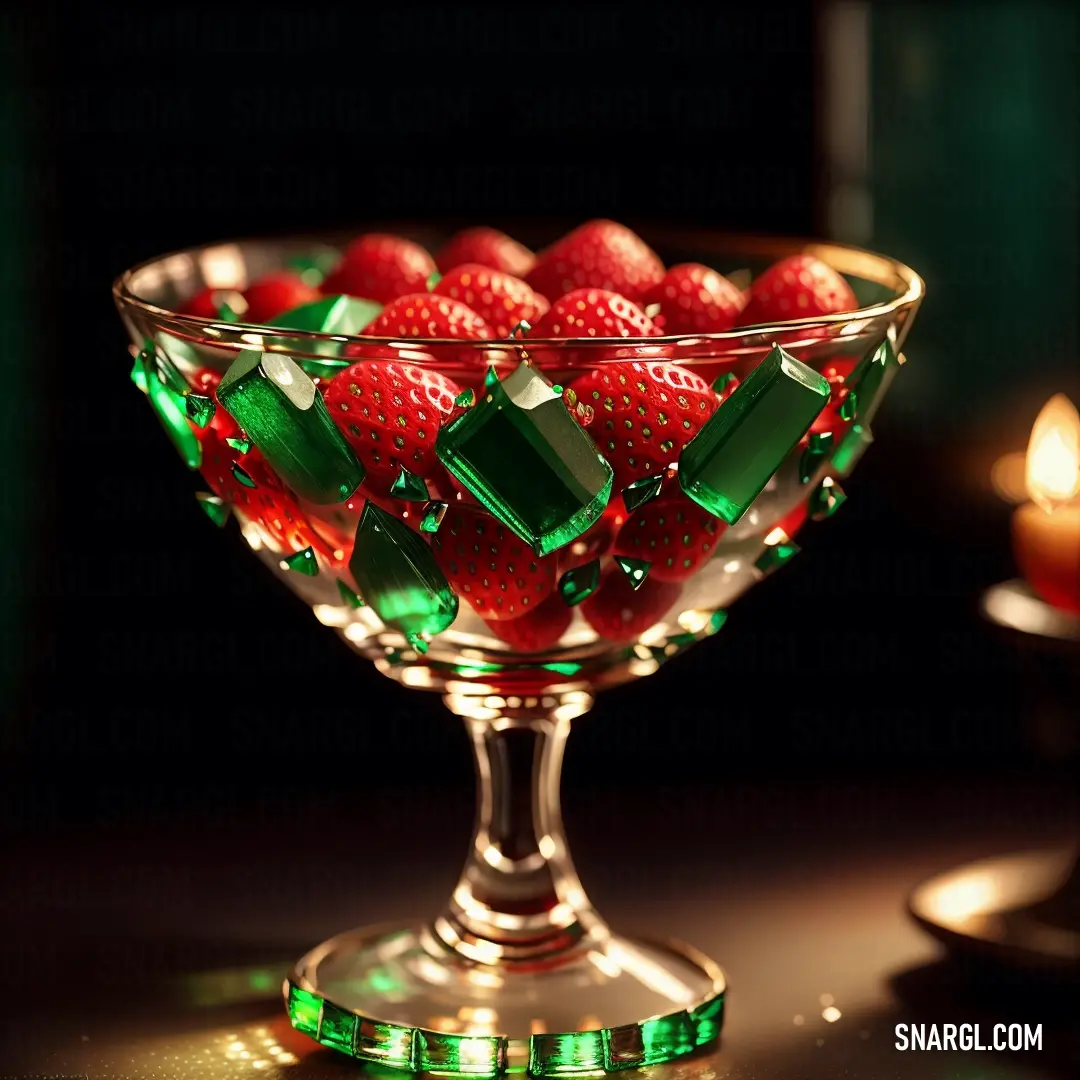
{"x":151,"y":663}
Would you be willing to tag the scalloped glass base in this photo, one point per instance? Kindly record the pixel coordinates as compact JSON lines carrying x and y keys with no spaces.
{"x":397,"y":997}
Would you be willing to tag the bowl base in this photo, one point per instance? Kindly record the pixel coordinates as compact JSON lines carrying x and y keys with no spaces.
{"x":396,"y":996}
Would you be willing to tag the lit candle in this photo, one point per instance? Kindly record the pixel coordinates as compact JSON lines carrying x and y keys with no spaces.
{"x":1046,"y":531}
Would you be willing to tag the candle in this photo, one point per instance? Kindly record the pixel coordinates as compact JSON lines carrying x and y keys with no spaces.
{"x":1046,"y":530}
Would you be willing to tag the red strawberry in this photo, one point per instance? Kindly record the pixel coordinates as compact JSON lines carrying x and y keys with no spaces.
{"x":206,"y":304}
{"x":695,"y":300}
{"x":381,"y":268}
{"x":646,"y":412}
{"x":836,"y":370}
{"x":798,"y":287}
{"x":672,"y":533}
{"x":489,"y":566}
{"x":390,"y":413}
{"x":423,"y":315}
{"x":489,"y":248}
{"x":274,"y":294}
{"x":596,"y":541}
{"x":619,"y":614}
{"x":594,"y":313}
{"x":536,"y":631}
{"x":599,"y":255}
{"x":501,"y":300}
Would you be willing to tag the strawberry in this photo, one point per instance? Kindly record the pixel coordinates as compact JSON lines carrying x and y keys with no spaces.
{"x":489,"y":248}
{"x":592,"y":313}
{"x":599,"y":255}
{"x":501,"y":300}
{"x":206,"y":303}
{"x":646,"y":412}
{"x":536,"y":631}
{"x":672,"y":533}
{"x":390,"y":413}
{"x":619,"y":614}
{"x":596,"y":541}
{"x":798,"y":287}
{"x":274,"y":294}
{"x":836,"y":370}
{"x":381,"y":268}
{"x":489,"y":566}
{"x":694,"y":299}
{"x":423,"y":315}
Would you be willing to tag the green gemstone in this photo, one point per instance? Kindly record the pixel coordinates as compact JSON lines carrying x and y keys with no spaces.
{"x":580,"y":583}
{"x":855,"y":442}
{"x":434,"y":513}
{"x":521,"y":329}
{"x":215,"y":508}
{"x":420,"y":644}
{"x":226,"y":313}
{"x":433,"y":280}
{"x":717,"y":620}
{"x":398,"y":577}
{"x":167,"y":372}
{"x":313,"y":269}
{"x":241,"y":446}
{"x":727,"y":464}
{"x":284,"y":415}
{"x":138,"y":373}
{"x":242,"y":476}
{"x":849,"y":406}
{"x":304,"y":1010}
{"x":348,"y":597}
{"x":200,"y":409}
{"x":491,"y":379}
{"x":466,"y":1055}
{"x":776,"y":555}
{"x":410,"y":488}
{"x":523,"y":456}
{"x":331,"y":315}
{"x":636,"y":570}
{"x":708,"y":1019}
{"x":722,"y":382}
{"x":869,"y":381}
{"x":465,"y":400}
{"x":386,"y":1043}
{"x":816,"y":452}
{"x":566,"y":1054}
{"x":650,"y":1043}
{"x":168,"y":406}
{"x":640,"y":492}
{"x":303,"y":562}
{"x":337,"y":1028}
{"x":827,"y":499}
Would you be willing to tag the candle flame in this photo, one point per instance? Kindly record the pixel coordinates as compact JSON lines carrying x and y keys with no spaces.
{"x":1053,"y":455}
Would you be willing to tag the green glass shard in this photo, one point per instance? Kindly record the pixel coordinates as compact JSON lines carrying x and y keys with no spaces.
{"x":215,"y":508}
{"x":241,"y":446}
{"x":433,"y":280}
{"x":579,"y":583}
{"x":304,"y":1010}
{"x":284,"y":415}
{"x":521,"y":329}
{"x":200,"y":409}
{"x":386,"y":1043}
{"x":730,"y":460}
{"x":562,"y":667}
{"x":722,"y":382}
{"x":138,"y":373}
{"x":165,"y":370}
{"x":465,"y":400}
{"x":868,"y":382}
{"x":420,"y":644}
{"x":525,"y":458}
{"x":817,"y":450}
{"x":348,"y":597}
{"x":491,"y":379}
{"x":331,"y":315}
{"x":708,"y":1019}
{"x":827,"y":499}
{"x":226,"y":313}
{"x":313,"y":269}
{"x":434,"y":513}
{"x":640,"y":492}
{"x":849,"y":406}
{"x":566,"y":1054}
{"x":776,"y":555}
{"x":650,"y":1043}
{"x":410,"y":488}
{"x":465,"y":1055}
{"x":242,"y":477}
{"x":397,"y":575}
{"x":337,"y":1028}
{"x":168,"y":406}
{"x":302,"y":562}
{"x":717,"y":620}
{"x":636,"y":570}
{"x":854,"y":443}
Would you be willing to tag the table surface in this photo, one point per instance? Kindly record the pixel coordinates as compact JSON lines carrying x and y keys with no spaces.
{"x":156,"y":948}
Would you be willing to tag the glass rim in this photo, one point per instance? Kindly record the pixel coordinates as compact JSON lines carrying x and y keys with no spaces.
{"x":907,"y":286}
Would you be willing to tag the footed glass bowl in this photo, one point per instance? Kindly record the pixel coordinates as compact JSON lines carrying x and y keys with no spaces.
{"x":606,"y":582}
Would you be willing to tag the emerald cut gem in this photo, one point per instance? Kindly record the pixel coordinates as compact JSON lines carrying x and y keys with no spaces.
{"x":827,"y":499}
{"x":302,"y":562}
{"x":348,"y":597}
{"x":640,"y":492}
{"x":434,"y":513}
{"x":242,"y":477}
{"x":410,"y":488}
{"x":566,"y":1054}
{"x":284,"y":415}
{"x":817,"y":450}
{"x":722,"y":382}
{"x":166,"y":371}
{"x":636,"y":570}
{"x":433,"y":280}
{"x":869,"y":380}
{"x":215,"y":508}
{"x":200,"y":409}
{"x":849,"y":406}
{"x":226,"y":314}
{"x":398,"y":577}
{"x":465,"y":400}
{"x":708,"y":1020}
{"x":466,"y":1055}
{"x":138,"y":373}
{"x":522,"y":455}
{"x":855,"y":442}
{"x":304,"y":1010}
{"x":580,"y":583}
{"x":168,"y":405}
{"x":386,"y":1043}
{"x":650,"y":1043}
{"x":337,"y":1028}
{"x":241,"y":446}
{"x":332,"y":315}
{"x":730,"y":460}
{"x":776,"y":555}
